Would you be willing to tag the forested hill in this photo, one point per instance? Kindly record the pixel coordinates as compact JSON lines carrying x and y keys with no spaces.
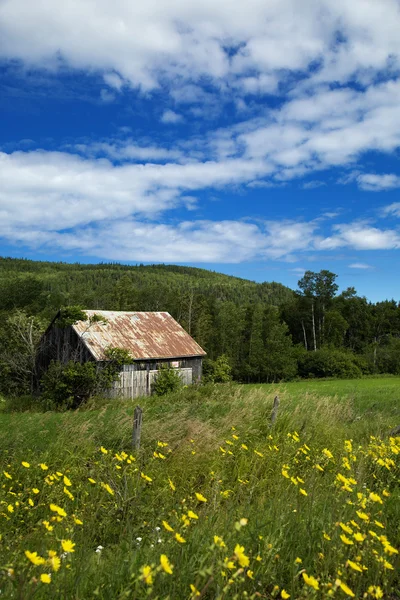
{"x":42,"y":287}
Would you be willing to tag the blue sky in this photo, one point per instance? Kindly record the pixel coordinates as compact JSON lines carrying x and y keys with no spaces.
{"x":259,"y":139}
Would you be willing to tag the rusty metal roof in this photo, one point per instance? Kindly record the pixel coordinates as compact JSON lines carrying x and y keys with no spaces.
{"x":145,"y":334}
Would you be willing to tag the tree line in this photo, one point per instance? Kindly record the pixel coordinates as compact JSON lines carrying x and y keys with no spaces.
{"x":264,"y":331}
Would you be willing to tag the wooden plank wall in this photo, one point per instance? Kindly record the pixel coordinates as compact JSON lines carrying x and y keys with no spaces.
{"x":133,"y":384}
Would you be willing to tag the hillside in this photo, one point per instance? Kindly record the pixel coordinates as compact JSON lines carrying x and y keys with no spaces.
{"x":41,"y":287}
{"x":216,"y":502}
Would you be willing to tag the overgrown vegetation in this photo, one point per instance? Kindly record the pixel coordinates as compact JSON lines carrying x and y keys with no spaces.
{"x":71,"y":384}
{"x":167,"y":380}
{"x":216,"y":504}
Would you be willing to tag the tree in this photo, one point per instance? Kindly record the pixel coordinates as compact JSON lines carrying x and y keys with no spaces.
{"x":319,"y":289}
{"x":19,"y":341}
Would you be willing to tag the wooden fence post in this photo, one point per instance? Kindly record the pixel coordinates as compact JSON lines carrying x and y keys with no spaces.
{"x":274,"y":413}
{"x":137,"y":427}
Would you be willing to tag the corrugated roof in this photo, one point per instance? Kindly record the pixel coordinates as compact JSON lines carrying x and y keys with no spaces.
{"x":144,"y":334}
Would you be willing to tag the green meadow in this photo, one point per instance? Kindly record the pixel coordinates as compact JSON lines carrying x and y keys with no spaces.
{"x":216,"y":503}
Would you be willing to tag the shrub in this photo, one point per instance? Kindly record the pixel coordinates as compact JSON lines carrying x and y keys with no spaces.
{"x":328,"y":363}
{"x":167,"y":380}
{"x":218,"y":371}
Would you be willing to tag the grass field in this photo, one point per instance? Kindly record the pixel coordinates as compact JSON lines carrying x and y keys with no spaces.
{"x":216,"y":504}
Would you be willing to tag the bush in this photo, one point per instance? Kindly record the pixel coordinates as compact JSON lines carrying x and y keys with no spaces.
{"x":217,"y":371}
{"x":167,"y":380}
{"x":328,"y":363}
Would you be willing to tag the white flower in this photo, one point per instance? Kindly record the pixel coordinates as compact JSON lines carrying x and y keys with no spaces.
{"x":99,"y":549}
{"x":138,"y":539}
{"x":158,"y":528}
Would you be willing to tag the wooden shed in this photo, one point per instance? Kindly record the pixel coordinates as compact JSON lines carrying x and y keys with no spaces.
{"x":152,"y":338}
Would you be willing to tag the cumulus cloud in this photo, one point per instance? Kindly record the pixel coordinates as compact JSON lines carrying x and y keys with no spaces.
{"x":169,"y":116}
{"x":377,"y":183}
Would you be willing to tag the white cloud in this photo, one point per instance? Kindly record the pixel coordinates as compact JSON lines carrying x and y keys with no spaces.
{"x":377,"y":183}
{"x":113,"y":80}
{"x":392,"y":209}
{"x":360,"y":266}
{"x":259,"y":41}
{"x":361,"y":236}
{"x":106,"y":96}
{"x":169,"y":116}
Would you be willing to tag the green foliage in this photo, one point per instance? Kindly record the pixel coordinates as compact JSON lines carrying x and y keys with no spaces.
{"x":218,"y":370}
{"x":69,"y":385}
{"x":167,"y":380}
{"x":117,"y":358}
{"x":328,"y":362}
{"x":72,"y":384}
{"x":70,"y":315}
{"x":19,"y":339}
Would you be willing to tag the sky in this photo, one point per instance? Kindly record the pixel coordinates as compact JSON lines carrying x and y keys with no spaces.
{"x":259,"y":138}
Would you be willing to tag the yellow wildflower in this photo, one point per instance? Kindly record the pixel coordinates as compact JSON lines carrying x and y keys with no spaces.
{"x":346,"y":528}
{"x":171,"y":485}
{"x":78,"y":521}
{"x":10,"y":508}
{"x":302,"y":491}
{"x":31,"y":502}
{"x":359,"y":537}
{"x":345,"y":588}
{"x":103,"y":450}
{"x":200,"y":497}
{"x":60,"y":511}
{"x":107,"y":488}
{"x":298,"y":561}
{"x":192,"y":515}
{"x":259,"y":453}
{"x":194,"y":590}
{"x":55,"y":563}
{"x":34,"y":558}
{"x":218,"y":541}
{"x":92,"y":480}
{"x":45,"y":578}
{"x":43,"y":466}
{"x":311,"y":581}
{"x":145,"y":477}
{"x":389,"y":549}
{"x":179,"y":538}
{"x":354,"y":566}
{"x":147,"y":574}
{"x":48,"y":526}
{"x":68,"y":546}
{"x":7,"y":475}
{"x":346,"y":540}
{"x":167,"y":526}
{"x":284,"y":595}
{"x":250,"y":574}
{"x":387,"y":565}
{"x":35,"y":490}
{"x":165,"y":564}
{"x":362,"y":515}
{"x":375,"y":498}
{"x":244,"y":560}
{"x":25,"y":464}
{"x":328,"y":454}
{"x":67,"y":482}
{"x":244,"y":447}
{"x":375,"y":591}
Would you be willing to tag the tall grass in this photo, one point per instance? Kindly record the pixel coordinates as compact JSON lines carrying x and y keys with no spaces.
{"x":271,"y":510}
